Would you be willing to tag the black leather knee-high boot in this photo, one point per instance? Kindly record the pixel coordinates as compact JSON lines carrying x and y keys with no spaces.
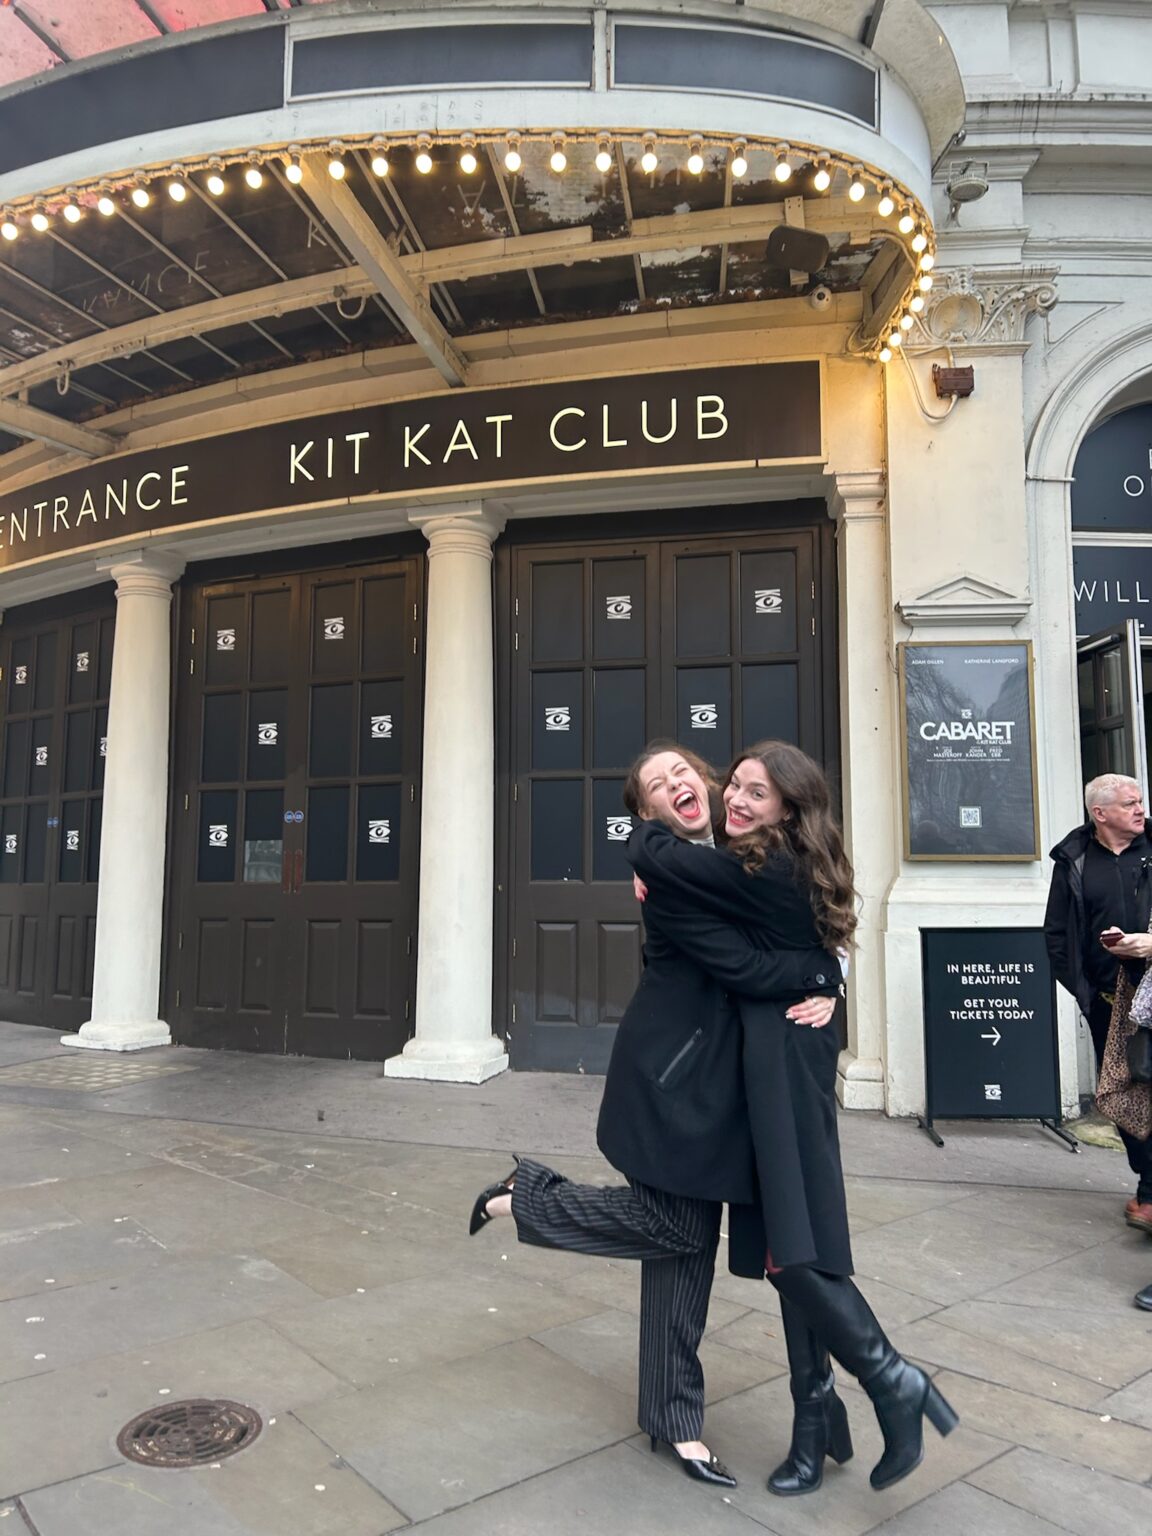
{"x":819,"y":1418}
{"x":901,"y":1394}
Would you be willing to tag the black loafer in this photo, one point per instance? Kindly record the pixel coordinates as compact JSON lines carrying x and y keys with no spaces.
{"x":480,"y":1217}
{"x":1144,"y":1298}
{"x":711,"y":1471}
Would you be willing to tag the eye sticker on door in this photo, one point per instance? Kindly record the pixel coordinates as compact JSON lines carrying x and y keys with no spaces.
{"x":769,"y":600}
{"x":82,"y":660}
{"x":267,"y":733}
{"x":217,"y":836}
{"x":381,"y":727}
{"x":619,"y":828}
{"x":703,"y":717}
{"x":379,"y":831}
{"x":334,"y":629}
{"x":21,"y":676}
{"x":103,"y":746}
{"x":41,"y":757}
{"x":619,"y":607}
{"x":11,"y":842}
{"x":225,"y":639}
{"x":557,"y":718}
{"x":72,"y":840}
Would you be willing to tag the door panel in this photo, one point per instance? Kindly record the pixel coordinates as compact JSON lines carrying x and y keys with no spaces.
{"x":297,"y":932}
{"x":1110,"y":669}
{"x":713,"y":642}
{"x":57,"y":671}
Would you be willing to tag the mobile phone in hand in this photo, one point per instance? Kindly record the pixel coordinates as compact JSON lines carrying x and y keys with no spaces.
{"x":1110,"y":937}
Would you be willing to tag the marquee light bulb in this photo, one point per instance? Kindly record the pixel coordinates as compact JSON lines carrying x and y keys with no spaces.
{"x":886,"y":206}
{"x":885,"y":354}
{"x":558,"y":159}
{"x":916,"y":304}
{"x":215,"y":184}
{"x":907,"y":223}
{"x":925,"y":283}
{"x":254,"y":176}
{"x":927,"y":261}
{"x":907,"y":322}
{"x":895,"y":339}
{"x":856,"y":187}
{"x":72,"y":213}
{"x":39,"y":221}
{"x":468,"y":160}
{"x":141,"y":196}
{"x":649,"y":160}
{"x":823,"y":177}
{"x":919,"y":241}
{"x":106,"y":206}
{"x":9,"y":230}
{"x":177,"y":191}
{"x":782,"y":170}
{"x":604,"y":158}
{"x":513,"y":159}
{"x":739,"y":165}
{"x":696,"y":158}
{"x":336,"y":168}
{"x":294,"y":171}
{"x":424,"y":155}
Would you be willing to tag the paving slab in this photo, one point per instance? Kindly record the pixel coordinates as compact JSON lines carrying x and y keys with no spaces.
{"x":1102,"y":1280}
{"x":932,"y":1342}
{"x":287,"y":1481}
{"x":60,"y":1253}
{"x":57,"y":1427}
{"x":961,"y":1510}
{"x":1133,"y":1403}
{"x":1077,"y":1499}
{"x":1111,"y":1346}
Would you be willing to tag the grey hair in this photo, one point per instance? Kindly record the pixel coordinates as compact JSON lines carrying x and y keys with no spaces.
{"x":1103,"y":790}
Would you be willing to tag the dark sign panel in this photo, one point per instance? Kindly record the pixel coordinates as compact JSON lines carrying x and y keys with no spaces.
{"x":969,"y":758}
{"x":989,"y":1025}
{"x":1112,"y":583}
{"x":1112,"y":485}
{"x":739,"y":415}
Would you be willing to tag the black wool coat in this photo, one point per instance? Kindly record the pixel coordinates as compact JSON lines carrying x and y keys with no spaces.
{"x":799,"y":1214}
{"x":674,"y":1113}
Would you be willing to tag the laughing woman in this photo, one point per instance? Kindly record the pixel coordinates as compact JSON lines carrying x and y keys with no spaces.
{"x":785,"y":879}
{"x":674,"y":1120}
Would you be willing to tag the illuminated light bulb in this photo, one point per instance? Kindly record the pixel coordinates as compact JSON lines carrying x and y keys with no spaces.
{"x":39,"y":221}
{"x":106,"y":206}
{"x":895,"y":339}
{"x":907,"y":322}
{"x":336,"y":168}
{"x":886,"y":206}
{"x":513,"y":159}
{"x":294,"y":171}
{"x":782,"y":170}
{"x":856,"y":187}
{"x":925,"y":283}
{"x":558,"y":159}
{"x":604,"y":158}
{"x":177,"y":191}
{"x":739,"y":166}
{"x":885,"y":354}
{"x":9,"y":230}
{"x":424,"y":155}
{"x":649,"y":160}
{"x":916,"y":304}
{"x":906,"y":223}
{"x":254,"y":176}
{"x":468,"y":160}
{"x":72,"y":213}
{"x":919,"y":241}
{"x":695,"y":158}
{"x":141,"y":196}
{"x":823,"y":177}
{"x":215,"y":184}
{"x":927,"y":261}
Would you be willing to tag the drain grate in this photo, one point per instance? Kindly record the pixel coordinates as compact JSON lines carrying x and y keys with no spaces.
{"x":190,"y":1433}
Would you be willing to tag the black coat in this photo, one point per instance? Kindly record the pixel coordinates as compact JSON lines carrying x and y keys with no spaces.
{"x":674,"y":1113}
{"x":789,"y":1069}
{"x":1064,"y":922}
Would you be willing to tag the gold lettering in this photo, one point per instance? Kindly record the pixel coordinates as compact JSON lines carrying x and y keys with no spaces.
{"x":569,"y":410}
{"x":498,"y":423}
{"x":671,"y":432}
{"x":356,"y":438}
{"x":410,"y":447}
{"x":60,"y":513}
{"x":460,"y":440}
{"x":716,"y":413}
{"x":296,"y":460}
{"x":146,"y":506}
{"x":178,"y":484}
{"x":611,"y":442}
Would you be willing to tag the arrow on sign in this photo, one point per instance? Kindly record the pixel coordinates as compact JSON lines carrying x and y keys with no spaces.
{"x":994,"y":1036}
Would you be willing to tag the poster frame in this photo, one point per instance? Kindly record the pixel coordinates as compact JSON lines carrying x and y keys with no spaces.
{"x":1024,"y":646}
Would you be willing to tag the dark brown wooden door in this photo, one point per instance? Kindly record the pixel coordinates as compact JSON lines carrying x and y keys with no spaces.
{"x":712,"y":642}
{"x":56,"y":673}
{"x":297,"y":850}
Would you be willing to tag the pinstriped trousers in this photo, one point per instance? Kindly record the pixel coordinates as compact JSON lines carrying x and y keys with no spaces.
{"x":675,"y":1239}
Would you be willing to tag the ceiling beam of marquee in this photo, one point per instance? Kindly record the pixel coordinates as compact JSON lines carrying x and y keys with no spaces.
{"x":42,"y":427}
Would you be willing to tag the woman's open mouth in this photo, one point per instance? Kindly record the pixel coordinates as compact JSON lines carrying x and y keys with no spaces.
{"x":687,"y":806}
{"x":737,"y":821}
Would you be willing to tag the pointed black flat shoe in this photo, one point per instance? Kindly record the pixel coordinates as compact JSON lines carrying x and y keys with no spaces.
{"x":480,"y":1217}
{"x":711,"y":1471}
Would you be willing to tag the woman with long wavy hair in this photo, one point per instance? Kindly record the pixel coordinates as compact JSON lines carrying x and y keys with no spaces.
{"x":784,"y":878}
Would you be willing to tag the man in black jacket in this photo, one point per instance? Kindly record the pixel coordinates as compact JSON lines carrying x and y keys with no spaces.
{"x":1102,"y":884}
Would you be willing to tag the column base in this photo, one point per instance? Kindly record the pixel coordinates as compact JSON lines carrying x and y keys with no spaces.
{"x":859,"y":1082}
{"x":449,"y":1061}
{"x":120,"y":1037}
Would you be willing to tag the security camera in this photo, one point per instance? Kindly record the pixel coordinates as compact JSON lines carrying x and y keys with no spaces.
{"x":820,"y":298}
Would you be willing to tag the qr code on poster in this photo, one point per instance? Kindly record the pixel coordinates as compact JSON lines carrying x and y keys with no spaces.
{"x":969,"y":815}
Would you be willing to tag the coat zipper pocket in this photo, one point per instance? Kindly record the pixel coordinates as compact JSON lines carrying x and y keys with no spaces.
{"x":688,"y":1045}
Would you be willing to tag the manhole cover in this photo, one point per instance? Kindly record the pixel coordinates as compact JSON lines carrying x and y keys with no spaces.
{"x":189,"y":1434}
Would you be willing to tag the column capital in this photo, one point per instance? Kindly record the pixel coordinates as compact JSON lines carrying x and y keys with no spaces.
{"x":983,"y":311}
{"x":143,"y":573}
{"x":467,"y":528}
{"x":857,"y":495}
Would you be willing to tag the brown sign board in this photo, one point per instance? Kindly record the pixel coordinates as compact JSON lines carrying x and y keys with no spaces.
{"x":743,"y":414}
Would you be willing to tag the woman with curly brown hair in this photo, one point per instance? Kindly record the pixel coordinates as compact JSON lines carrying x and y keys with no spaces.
{"x":784,"y":878}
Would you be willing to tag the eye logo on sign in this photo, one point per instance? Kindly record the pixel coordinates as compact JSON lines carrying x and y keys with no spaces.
{"x":103,"y":746}
{"x":225,"y":639}
{"x":334,"y":629}
{"x":72,"y":841}
{"x":992,"y":1091}
{"x":267,"y":734}
{"x":769,"y":600}
{"x":619,"y":828}
{"x":703,"y":716}
{"x":970,"y":816}
{"x":81,"y":661}
{"x":381,"y":727}
{"x":557,"y":718}
{"x":618,"y":607}
{"x":10,"y":842}
{"x":217,"y":836}
{"x":41,"y":757}
{"x":379,"y":831}
{"x":21,"y":676}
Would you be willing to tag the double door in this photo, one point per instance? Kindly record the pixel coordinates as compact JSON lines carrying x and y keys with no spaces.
{"x":56,"y":670}
{"x":712,"y":642}
{"x":297,"y":812}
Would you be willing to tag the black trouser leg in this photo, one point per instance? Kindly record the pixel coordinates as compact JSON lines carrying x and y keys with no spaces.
{"x":675,"y":1238}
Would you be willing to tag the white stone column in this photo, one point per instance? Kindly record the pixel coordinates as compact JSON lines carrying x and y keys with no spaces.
{"x":871,"y":804}
{"x":454,"y":1040}
{"x":133,"y":834}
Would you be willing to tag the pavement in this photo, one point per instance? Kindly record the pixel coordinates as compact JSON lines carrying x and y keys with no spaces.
{"x":290,"y":1235}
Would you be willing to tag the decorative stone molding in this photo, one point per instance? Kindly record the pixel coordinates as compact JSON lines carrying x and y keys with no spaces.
{"x":963,"y":600}
{"x":978,"y":310}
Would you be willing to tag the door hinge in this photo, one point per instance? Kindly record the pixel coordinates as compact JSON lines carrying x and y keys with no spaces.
{"x":180,"y":941}
{"x":185,"y":802}
{"x":513,"y":949}
{"x":513,"y":1013}
{"x":515,"y":792}
{"x":413,"y":645}
{"x":516,"y":606}
{"x":813,"y":591}
{"x":813,"y":623}
{"x":411,"y":794}
{"x":192,"y":667}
